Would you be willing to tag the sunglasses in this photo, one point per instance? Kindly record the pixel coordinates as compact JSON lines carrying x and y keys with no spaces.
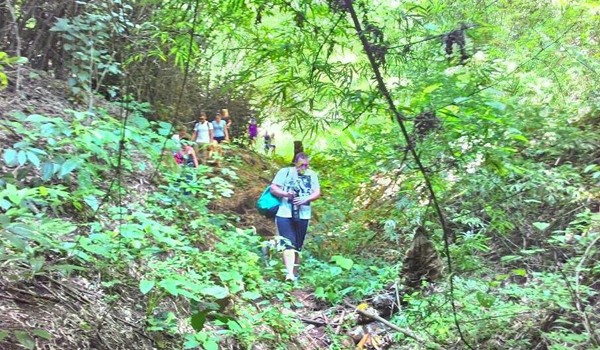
{"x":302,"y":166}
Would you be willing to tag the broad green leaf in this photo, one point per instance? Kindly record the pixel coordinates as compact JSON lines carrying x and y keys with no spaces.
{"x":4,"y":204}
{"x":131,"y":231}
{"x":171,"y":286}
{"x":216,"y":292}
{"x":68,"y":166}
{"x":198,"y":320}
{"x":502,"y":277}
{"x":520,"y":272}
{"x":22,"y":230}
{"x":25,"y":339}
{"x":146,"y":286}
{"x":33,"y":158}
{"x":234,"y":326}
{"x":230,"y":275}
{"x":42,"y":333}
{"x":140,"y":122}
{"x":589,"y":168}
{"x":13,"y":194}
{"x":211,"y":345}
{"x":36,"y":118}
{"x":541,"y":225}
{"x":342,"y":262}
{"x":92,"y":201}
{"x":460,"y":100}
{"x":10,"y":157}
{"x":16,"y":241}
{"x":191,"y":344}
{"x":61,"y":25}
{"x":508,"y":258}
{"x":4,"y":220}
{"x":47,"y":171}
{"x":37,"y":264}
{"x":251,"y":295}
{"x":520,"y":138}
{"x":21,"y":157}
{"x":533,"y":251}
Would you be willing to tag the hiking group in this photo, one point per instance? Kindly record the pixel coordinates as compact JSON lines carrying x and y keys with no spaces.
{"x":205,"y":140}
{"x":204,"y":145}
{"x":291,"y":192}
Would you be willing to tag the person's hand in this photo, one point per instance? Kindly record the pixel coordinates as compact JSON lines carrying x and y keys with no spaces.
{"x":300,"y":200}
{"x":289,"y":195}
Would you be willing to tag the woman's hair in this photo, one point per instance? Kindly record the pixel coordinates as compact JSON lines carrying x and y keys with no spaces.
{"x":300,"y":156}
{"x":225,"y":112}
{"x":202,"y":114}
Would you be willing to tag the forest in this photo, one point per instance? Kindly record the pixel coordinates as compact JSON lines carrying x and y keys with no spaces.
{"x":457,"y":147}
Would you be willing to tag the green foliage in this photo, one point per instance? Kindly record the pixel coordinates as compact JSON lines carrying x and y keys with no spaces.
{"x":333,"y":282}
{"x":87,"y":39}
{"x":6,"y":60}
{"x":510,"y":152}
{"x":169,"y":235}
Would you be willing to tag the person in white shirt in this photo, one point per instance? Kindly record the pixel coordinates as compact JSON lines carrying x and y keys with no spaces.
{"x":203,"y":136}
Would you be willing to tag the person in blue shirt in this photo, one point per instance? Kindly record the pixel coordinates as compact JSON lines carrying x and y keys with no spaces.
{"x":220,"y":132}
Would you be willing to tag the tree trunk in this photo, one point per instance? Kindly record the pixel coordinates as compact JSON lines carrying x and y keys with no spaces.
{"x":298,"y":148}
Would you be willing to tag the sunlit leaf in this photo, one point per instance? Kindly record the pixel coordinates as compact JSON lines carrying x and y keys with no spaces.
{"x":541,"y":225}
{"x":146,"y":286}
{"x":33,"y":158}
{"x":10,"y":157}
{"x":343,"y":262}
{"x":21,"y":157}
{"x":216,"y":292}
{"x":92,"y":201}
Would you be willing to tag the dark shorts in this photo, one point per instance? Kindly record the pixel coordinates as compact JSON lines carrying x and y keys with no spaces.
{"x":293,"y":231}
{"x":219,"y":139}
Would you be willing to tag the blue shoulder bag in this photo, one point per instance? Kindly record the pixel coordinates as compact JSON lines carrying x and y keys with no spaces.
{"x":267,"y":204}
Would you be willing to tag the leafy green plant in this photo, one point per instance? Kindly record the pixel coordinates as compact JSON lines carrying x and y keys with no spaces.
{"x":6,"y":60}
{"x":87,"y":39}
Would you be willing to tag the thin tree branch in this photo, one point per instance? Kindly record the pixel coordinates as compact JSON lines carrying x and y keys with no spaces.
{"x":11,"y":9}
{"x":400,"y":119}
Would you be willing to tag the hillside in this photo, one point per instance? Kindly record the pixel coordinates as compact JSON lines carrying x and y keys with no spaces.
{"x":86,"y":247}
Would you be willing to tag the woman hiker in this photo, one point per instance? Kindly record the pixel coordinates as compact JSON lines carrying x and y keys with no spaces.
{"x":297,"y":186}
